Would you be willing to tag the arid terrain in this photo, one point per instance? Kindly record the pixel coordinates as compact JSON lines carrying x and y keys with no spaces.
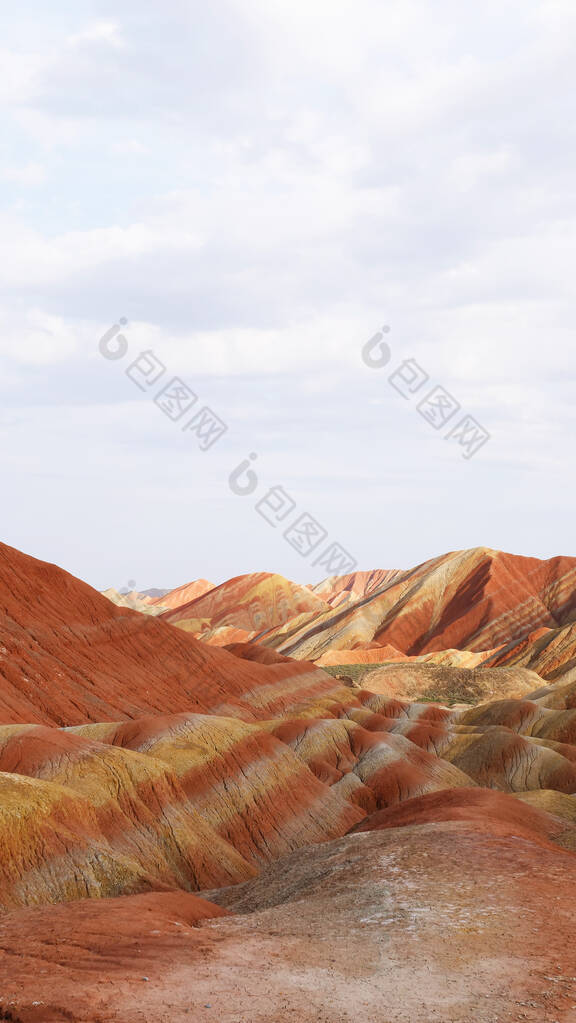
{"x":266,"y":801}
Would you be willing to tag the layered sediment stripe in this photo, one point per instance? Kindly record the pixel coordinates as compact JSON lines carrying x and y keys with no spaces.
{"x":134,"y":804}
{"x":68,"y":656}
{"x":355,"y":585}
{"x":500,"y":758}
{"x":475,"y":600}
{"x":183,"y":594}
{"x":249,"y":786}
{"x":54,"y":850}
{"x":526,"y":718}
{"x":287,"y":695}
{"x":254,"y":603}
{"x":517,"y":715}
{"x":551,"y":654}
{"x":390,"y":766}
{"x":546,"y":817}
{"x":545,"y":608}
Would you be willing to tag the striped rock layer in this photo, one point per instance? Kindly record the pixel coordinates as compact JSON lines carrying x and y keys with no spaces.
{"x":134,"y":600}
{"x":182,"y":595}
{"x":251,"y":603}
{"x":68,"y":655}
{"x":189,"y":830}
{"x":549,"y":652}
{"x":475,"y":600}
{"x":452,"y":909}
{"x":200,"y":800}
{"x":340,"y":589}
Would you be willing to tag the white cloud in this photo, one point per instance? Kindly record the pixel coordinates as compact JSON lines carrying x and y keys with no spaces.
{"x":21,"y":72}
{"x":37,"y":338}
{"x":32,"y":259}
{"x":29,"y":175}
{"x":108,"y":32}
{"x":258,"y":185}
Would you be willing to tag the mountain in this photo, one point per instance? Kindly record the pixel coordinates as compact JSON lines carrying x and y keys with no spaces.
{"x":191,"y":831}
{"x":171,"y":599}
{"x":68,"y":655}
{"x":339,"y":589}
{"x":458,"y":610}
{"x":245,"y":606}
{"x":475,"y":600}
{"x":137,"y":601}
{"x":550,"y":652}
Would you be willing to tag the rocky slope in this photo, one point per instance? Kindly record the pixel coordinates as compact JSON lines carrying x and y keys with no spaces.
{"x":68,"y":655}
{"x":474,"y":600}
{"x":249,"y":605}
{"x":193,"y":832}
{"x":340,"y":589}
{"x":182,"y":595}
{"x":467,"y":916}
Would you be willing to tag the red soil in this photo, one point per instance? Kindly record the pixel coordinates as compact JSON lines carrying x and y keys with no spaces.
{"x":68,"y":655}
{"x":483,"y":807}
{"x":449,"y":922}
{"x":261,"y":654}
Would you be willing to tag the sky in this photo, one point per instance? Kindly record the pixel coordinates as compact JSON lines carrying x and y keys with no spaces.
{"x":345,"y":229}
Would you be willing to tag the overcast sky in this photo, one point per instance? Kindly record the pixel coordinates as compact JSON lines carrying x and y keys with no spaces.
{"x":258,"y":187}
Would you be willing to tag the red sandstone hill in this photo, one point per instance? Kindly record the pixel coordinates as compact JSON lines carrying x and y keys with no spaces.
{"x":485,"y":808}
{"x":549,"y":652}
{"x":68,"y":655}
{"x":361,"y":854}
{"x":339,"y":589}
{"x":474,"y":600}
{"x":252,"y":603}
{"x":182,"y":594}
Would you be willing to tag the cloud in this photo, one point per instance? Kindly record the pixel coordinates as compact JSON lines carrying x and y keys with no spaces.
{"x":38,"y":338}
{"x":29,"y":175}
{"x":258,"y":186}
{"x":107,"y":32}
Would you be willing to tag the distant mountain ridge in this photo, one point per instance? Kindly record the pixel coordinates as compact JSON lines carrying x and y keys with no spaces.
{"x":461,"y":609}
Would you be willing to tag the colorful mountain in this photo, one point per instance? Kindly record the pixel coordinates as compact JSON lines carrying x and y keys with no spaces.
{"x":68,"y":655}
{"x":196,"y":832}
{"x":171,"y":599}
{"x":475,"y":600}
{"x":251,"y":603}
